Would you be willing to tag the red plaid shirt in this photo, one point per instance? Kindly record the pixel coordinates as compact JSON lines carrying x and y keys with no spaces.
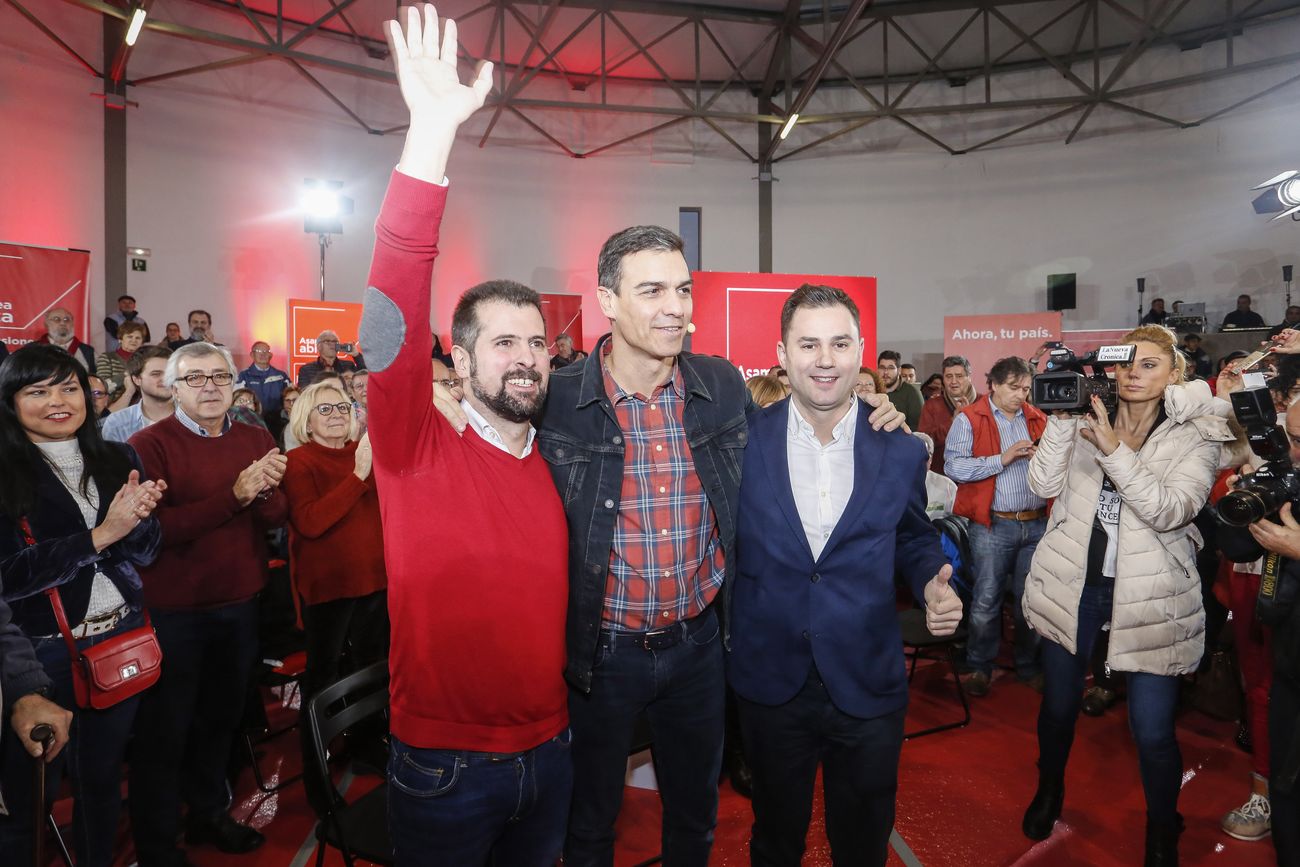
{"x":667,"y":562}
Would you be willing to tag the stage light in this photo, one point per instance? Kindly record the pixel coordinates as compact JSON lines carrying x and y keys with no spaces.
{"x":322,"y":204}
{"x":789,"y":125}
{"x":133,"y":29}
{"x":1281,"y":194}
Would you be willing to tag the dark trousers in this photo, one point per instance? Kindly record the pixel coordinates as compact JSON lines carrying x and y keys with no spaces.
{"x":680,"y":689}
{"x":1152,"y":704}
{"x":92,"y":760}
{"x":449,"y":808}
{"x":187,"y":723}
{"x":859,"y":759}
{"x":358,"y":623}
{"x":1284,"y":738}
{"x":343,"y":636}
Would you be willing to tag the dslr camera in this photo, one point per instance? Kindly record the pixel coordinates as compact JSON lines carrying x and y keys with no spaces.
{"x":1070,"y":382}
{"x":1262,"y":492}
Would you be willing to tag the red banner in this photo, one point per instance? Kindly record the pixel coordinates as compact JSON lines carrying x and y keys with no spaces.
{"x":308,"y":318}
{"x":34,"y":280}
{"x":985,"y":339}
{"x":738,"y":315}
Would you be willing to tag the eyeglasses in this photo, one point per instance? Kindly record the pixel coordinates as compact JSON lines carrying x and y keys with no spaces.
{"x":98,"y":394}
{"x":454,"y":382}
{"x":327,"y":408}
{"x":261,"y":352}
{"x":63,"y":320}
{"x":198,"y":380}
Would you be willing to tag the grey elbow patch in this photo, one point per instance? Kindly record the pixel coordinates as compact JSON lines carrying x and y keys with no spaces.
{"x":383,"y":330}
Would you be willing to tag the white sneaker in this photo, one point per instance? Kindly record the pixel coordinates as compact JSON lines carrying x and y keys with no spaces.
{"x":1251,"y":821}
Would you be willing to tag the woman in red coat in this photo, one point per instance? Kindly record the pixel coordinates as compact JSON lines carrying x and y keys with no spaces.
{"x":336,"y":551}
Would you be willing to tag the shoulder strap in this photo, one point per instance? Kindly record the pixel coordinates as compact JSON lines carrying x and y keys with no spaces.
{"x":61,"y":618}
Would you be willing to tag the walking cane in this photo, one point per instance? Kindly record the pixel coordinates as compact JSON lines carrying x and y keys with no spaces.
{"x":45,"y":735}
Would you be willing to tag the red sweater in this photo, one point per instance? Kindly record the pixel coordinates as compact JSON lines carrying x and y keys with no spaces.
{"x":475,"y":538}
{"x":334,"y":535}
{"x":213,"y":550}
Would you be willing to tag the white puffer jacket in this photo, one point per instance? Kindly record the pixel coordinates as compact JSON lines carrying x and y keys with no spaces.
{"x":1157,"y":622}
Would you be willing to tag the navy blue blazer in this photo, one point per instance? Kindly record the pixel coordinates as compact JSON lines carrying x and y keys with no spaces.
{"x":789,"y":610}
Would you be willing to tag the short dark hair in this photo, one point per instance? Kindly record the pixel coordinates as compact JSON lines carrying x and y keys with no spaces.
{"x":953,"y":361}
{"x":890,"y":355}
{"x":1007,"y":369}
{"x":190,"y":315}
{"x":135,"y":364}
{"x":634,"y":239}
{"x":907,"y":365}
{"x":814,"y":296}
{"x":125,"y":298}
{"x":465,"y":325}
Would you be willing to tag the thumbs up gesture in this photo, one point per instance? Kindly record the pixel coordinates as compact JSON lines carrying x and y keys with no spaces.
{"x":942,"y":606}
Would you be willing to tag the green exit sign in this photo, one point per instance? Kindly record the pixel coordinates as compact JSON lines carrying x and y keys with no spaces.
{"x":139,"y":265}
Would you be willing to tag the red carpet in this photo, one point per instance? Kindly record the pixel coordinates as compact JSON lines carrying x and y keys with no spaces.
{"x":960,"y":801}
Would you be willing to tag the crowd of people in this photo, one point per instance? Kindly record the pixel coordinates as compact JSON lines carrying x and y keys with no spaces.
{"x":640,"y":538}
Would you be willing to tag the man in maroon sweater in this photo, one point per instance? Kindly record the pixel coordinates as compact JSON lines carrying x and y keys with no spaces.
{"x":202,"y":596}
{"x":480,"y":768}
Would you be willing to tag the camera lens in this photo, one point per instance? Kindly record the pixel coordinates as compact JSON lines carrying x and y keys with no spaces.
{"x":1246,"y":506}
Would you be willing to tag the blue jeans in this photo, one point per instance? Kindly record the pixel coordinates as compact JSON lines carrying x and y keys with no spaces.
{"x":92,"y":760}
{"x":1001,"y":552}
{"x":680,"y":689}
{"x":468,"y":809}
{"x":1152,"y":703}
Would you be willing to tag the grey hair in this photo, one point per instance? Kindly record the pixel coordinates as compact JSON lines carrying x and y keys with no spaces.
{"x":195,"y":350}
{"x":327,"y":333}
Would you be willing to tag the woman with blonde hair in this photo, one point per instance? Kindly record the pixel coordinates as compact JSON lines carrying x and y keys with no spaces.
{"x":1120,"y":548}
{"x":336,"y":557}
{"x":765,"y":389}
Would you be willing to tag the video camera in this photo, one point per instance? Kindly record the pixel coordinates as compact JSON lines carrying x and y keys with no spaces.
{"x":1262,"y":492}
{"x":1068,"y":386}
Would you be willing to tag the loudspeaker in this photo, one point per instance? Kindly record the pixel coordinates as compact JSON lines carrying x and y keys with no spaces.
{"x":1060,"y":291}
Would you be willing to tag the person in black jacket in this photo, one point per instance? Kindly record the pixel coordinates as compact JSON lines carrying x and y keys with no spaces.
{"x":1279,"y":607}
{"x":75,"y":516}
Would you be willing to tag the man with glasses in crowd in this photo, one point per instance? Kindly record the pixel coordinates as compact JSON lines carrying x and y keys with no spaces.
{"x":202,"y":595}
{"x":59,"y":328}
{"x":327,"y":350}
{"x":263,"y":380}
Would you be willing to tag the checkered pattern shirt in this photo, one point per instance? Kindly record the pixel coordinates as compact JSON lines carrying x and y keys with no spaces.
{"x":667,"y":562}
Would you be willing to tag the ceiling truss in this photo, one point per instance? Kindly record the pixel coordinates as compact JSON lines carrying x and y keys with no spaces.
{"x":773,"y":85}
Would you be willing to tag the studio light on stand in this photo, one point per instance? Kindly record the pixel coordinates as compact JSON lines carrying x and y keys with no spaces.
{"x":324,"y":206}
{"x":1142,"y":288}
{"x":1286,"y":278}
{"x":1281,"y":196}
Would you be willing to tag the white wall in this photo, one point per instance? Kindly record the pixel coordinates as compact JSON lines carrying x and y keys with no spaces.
{"x":979,"y":233}
{"x":214,"y":180}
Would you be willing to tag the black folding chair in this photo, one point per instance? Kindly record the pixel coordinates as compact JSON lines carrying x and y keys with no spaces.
{"x":923,"y":645}
{"x":358,"y":829}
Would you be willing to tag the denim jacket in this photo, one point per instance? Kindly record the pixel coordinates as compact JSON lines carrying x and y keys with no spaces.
{"x":582,"y":442}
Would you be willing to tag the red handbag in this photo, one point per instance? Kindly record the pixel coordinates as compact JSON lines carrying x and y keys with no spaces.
{"x":114,"y":670}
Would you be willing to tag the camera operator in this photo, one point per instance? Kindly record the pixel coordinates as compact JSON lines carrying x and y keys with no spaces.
{"x":1120,"y":548}
{"x":1279,"y":608}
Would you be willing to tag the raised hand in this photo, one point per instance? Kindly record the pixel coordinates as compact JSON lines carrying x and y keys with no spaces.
{"x":430,"y":85}
{"x":132,"y":503}
{"x":942,"y":605}
{"x":426,"y":68}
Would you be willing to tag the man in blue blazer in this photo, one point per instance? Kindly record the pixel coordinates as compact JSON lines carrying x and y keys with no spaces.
{"x":828,"y":507}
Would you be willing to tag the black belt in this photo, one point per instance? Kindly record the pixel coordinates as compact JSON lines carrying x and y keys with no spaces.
{"x":655,"y":639}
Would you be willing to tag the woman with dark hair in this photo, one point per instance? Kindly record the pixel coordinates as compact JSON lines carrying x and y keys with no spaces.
{"x":74,"y":517}
{"x":932,"y":387}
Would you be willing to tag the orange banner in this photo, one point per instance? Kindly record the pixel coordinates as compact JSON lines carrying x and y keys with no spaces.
{"x":308,"y":318}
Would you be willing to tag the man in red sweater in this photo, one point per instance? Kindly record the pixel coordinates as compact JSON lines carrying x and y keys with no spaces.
{"x":479,"y":767}
{"x":202,"y":596}
{"x":937,"y":414}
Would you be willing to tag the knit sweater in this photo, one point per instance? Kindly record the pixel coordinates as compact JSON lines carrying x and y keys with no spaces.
{"x":335,"y":543}
{"x":213,"y":550}
{"x":474,"y":537}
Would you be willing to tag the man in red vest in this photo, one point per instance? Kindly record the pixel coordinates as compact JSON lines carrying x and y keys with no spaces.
{"x":987,"y":455}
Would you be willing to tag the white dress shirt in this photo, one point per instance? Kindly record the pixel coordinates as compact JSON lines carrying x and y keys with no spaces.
{"x":490,"y":434}
{"x":821,"y":476}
